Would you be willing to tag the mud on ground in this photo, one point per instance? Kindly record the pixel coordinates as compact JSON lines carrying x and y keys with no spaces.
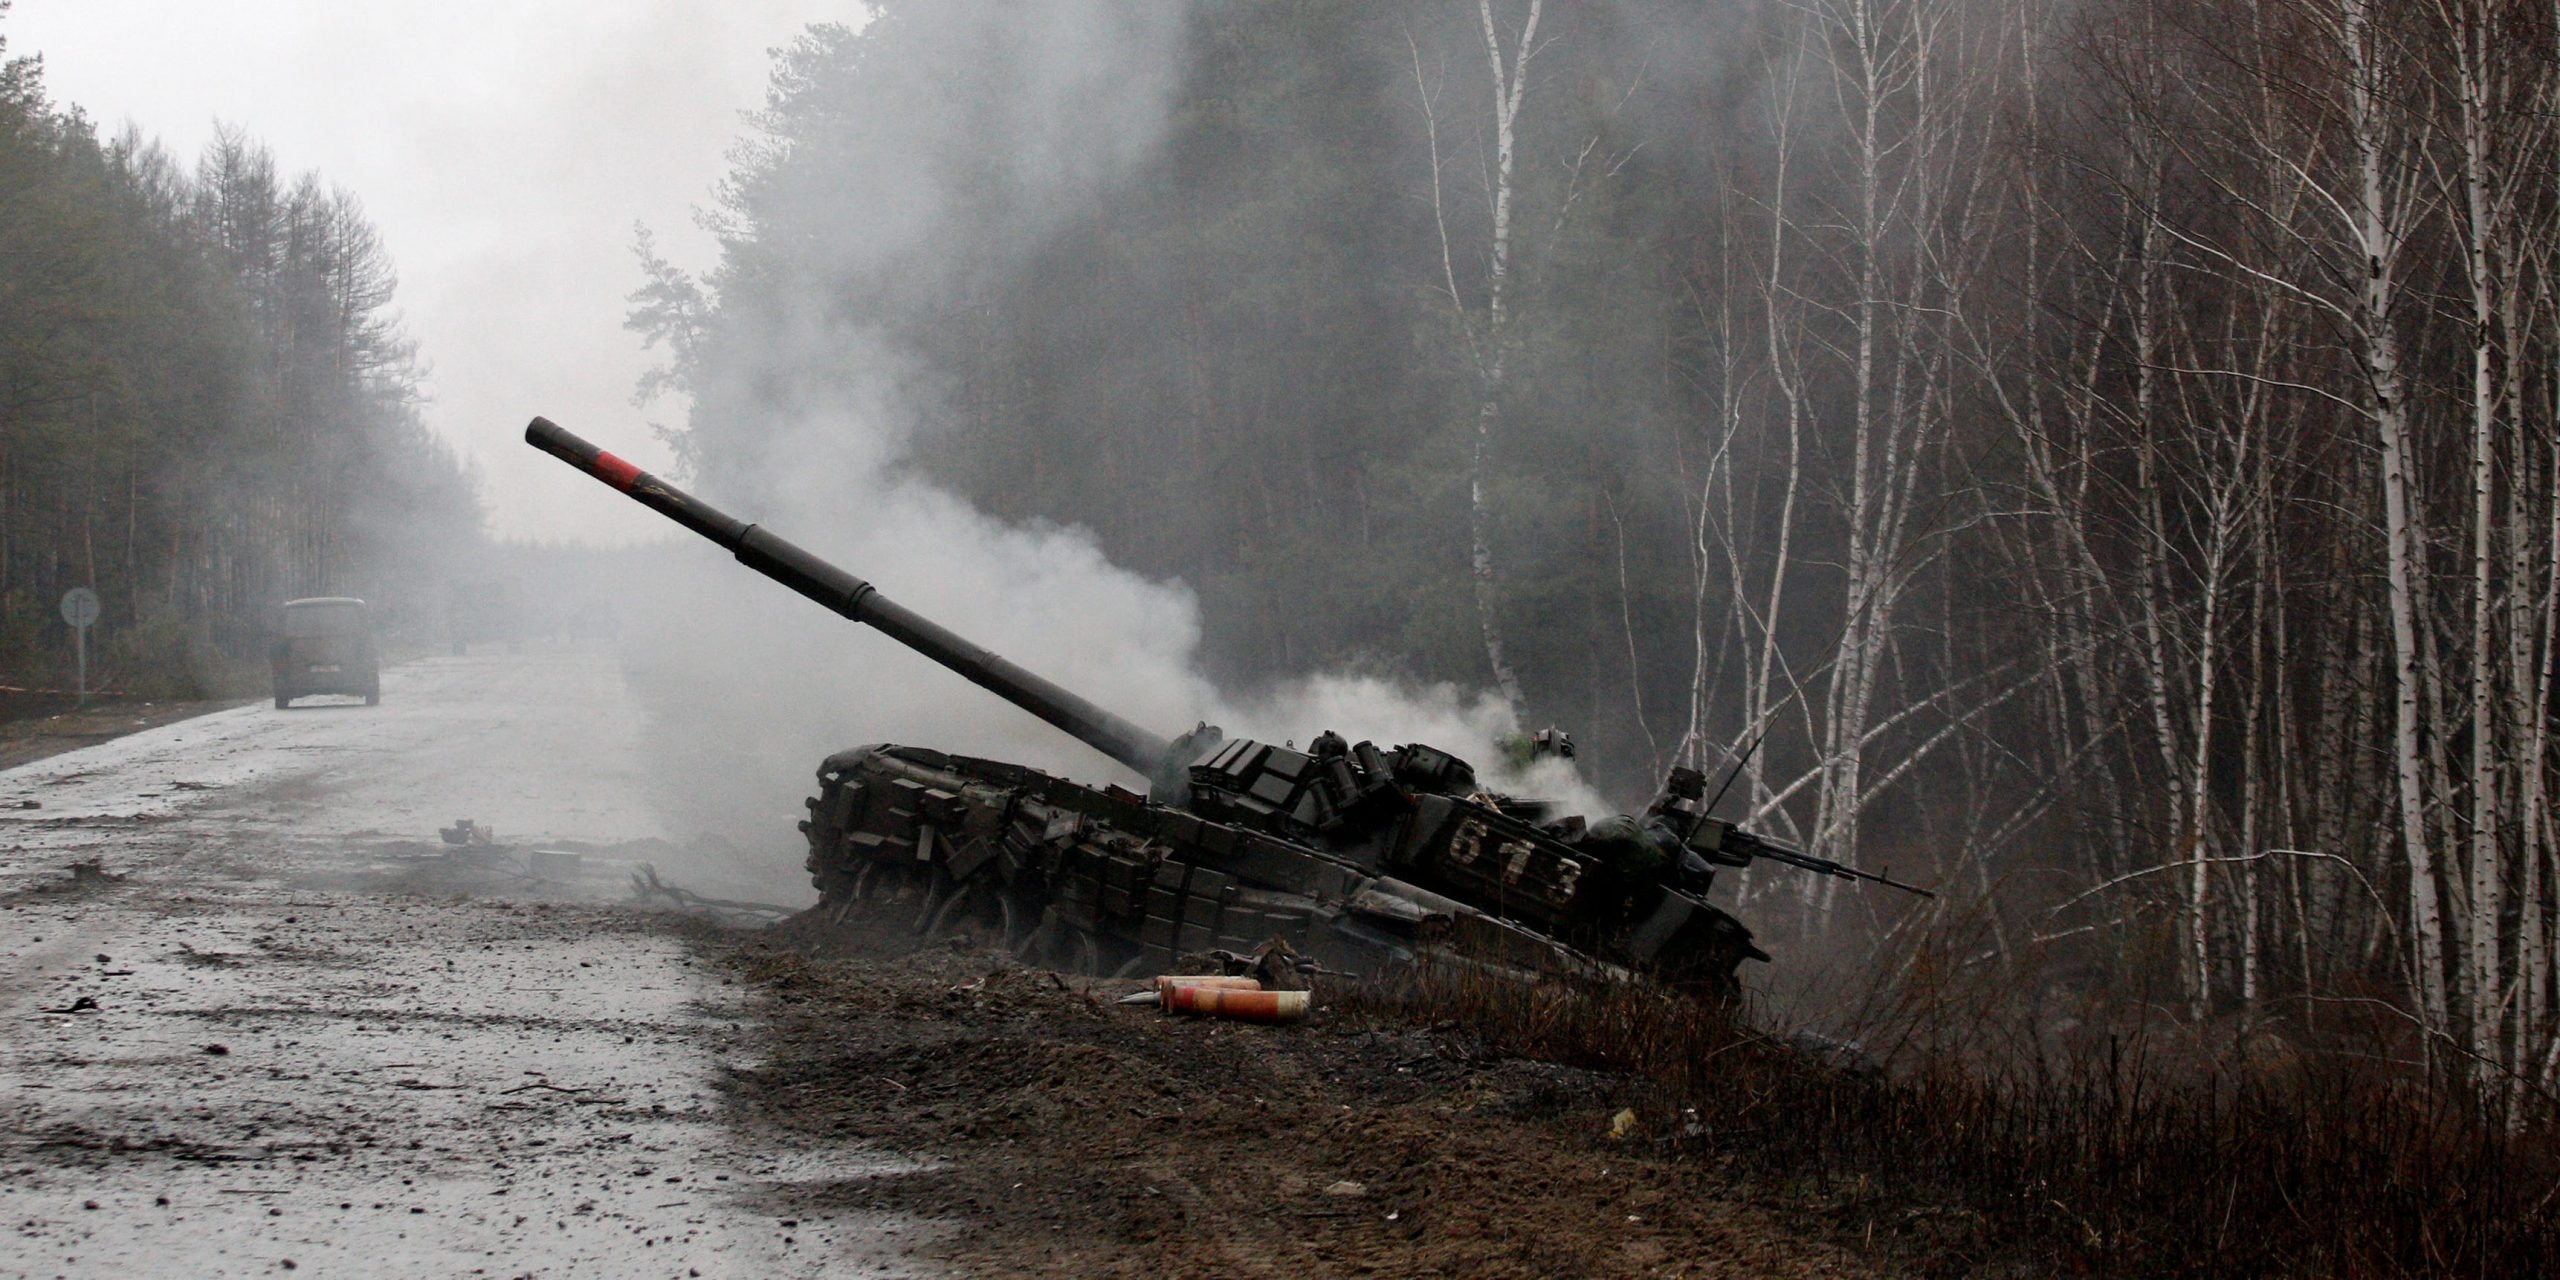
{"x":34,"y":726}
{"x":1064,"y":1134}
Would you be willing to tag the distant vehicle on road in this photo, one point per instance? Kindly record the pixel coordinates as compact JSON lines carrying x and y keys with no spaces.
{"x":324,"y":644}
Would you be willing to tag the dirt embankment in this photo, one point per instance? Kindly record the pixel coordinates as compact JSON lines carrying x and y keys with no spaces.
{"x":1067,"y":1135}
{"x":36,"y":725}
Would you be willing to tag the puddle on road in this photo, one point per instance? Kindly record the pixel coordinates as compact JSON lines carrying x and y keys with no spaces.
{"x":378,"y":1086}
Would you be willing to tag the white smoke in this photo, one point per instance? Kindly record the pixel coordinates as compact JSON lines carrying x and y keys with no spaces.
{"x":750,"y":689}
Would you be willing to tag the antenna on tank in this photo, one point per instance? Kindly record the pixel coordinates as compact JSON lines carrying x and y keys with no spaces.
{"x":1739,"y":761}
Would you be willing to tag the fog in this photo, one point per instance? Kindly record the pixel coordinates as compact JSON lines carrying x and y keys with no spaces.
{"x":504,"y":150}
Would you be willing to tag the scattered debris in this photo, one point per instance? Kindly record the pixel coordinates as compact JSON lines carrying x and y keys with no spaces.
{"x":580,"y":1095}
{"x":190,"y":955}
{"x":646,"y":885}
{"x":1839,"y":1055}
{"x":558,"y":865}
{"x":1347,"y":1187}
{"x":524,"y":1088}
{"x":465,"y":831}
{"x":1276,"y":964}
{"x":92,"y":873}
{"x":1279,"y":966}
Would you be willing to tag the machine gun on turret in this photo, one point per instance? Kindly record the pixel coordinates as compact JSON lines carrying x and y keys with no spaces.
{"x":1723,"y":844}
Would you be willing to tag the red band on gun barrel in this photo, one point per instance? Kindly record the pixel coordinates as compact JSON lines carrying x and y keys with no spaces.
{"x":616,"y":472}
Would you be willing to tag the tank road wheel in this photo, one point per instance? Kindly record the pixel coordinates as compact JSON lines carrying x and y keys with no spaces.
{"x":901,"y":884}
{"x":981,"y":911}
{"x":938,"y":886}
{"x":1056,"y":945}
{"x":1034,"y":947}
{"x":1006,"y":919}
{"x":835,"y":894}
{"x":951,"y":910}
{"x":882,"y":885}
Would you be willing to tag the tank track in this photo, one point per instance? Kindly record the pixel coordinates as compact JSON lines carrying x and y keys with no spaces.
{"x":1101,"y":881}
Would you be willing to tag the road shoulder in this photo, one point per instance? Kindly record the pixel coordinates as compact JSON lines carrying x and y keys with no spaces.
{"x":36,"y":728}
{"x":1063,"y":1134}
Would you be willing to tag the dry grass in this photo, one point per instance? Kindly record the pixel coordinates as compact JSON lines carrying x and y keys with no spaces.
{"x":2130,"y":1154}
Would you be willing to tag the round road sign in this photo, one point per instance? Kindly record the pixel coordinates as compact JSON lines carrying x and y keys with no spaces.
{"x":80,"y":606}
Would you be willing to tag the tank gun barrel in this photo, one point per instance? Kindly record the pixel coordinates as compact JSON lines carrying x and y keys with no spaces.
{"x":777,"y":558}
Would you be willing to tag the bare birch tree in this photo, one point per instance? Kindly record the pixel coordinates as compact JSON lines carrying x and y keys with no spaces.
{"x":1486,"y":324}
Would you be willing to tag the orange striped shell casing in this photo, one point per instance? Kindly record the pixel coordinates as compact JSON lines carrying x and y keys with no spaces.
{"x":1241,"y":1005}
{"x":1167,"y":982}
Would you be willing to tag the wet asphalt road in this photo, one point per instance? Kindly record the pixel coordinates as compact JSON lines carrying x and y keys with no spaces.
{"x":302,"y":1035}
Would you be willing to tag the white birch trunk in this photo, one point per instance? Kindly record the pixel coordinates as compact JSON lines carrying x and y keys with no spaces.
{"x":2378,"y":236}
{"x":1884,"y":87}
{"x":1508,"y":88}
{"x":2487,"y":900}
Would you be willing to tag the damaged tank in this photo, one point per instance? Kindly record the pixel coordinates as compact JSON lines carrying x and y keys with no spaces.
{"x":1355,"y":855}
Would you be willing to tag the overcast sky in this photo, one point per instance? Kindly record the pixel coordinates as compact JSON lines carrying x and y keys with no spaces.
{"x":503,"y":149}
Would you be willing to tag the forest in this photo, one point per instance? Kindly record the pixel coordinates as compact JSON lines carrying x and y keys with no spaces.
{"x":2101,"y":454}
{"x":206,"y":405}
